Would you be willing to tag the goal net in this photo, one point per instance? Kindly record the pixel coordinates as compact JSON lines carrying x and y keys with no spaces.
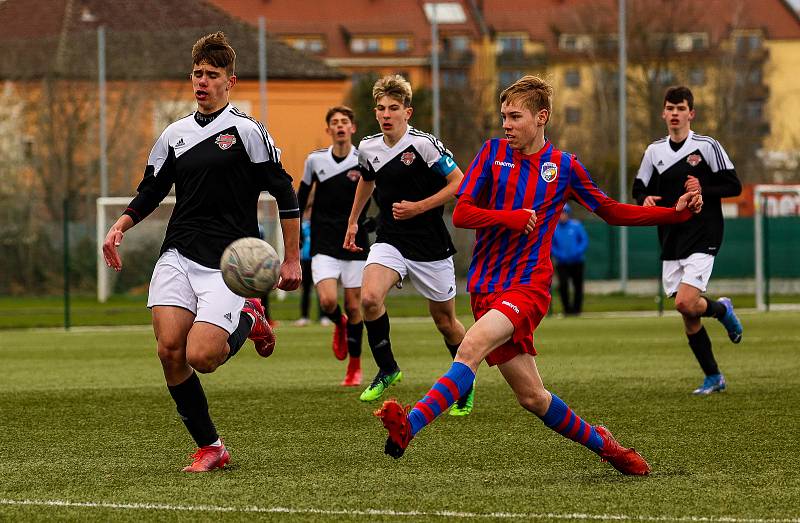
{"x":776,"y":219}
{"x":141,"y":246}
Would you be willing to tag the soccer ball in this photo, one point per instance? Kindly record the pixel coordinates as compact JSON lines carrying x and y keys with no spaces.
{"x":250,"y":267}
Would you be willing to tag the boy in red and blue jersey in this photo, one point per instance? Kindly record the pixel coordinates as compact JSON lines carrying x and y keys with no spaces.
{"x":513,"y":194}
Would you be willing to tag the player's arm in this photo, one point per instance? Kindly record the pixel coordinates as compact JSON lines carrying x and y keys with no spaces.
{"x":364,"y":190}
{"x":722,"y":182}
{"x":159,"y":175}
{"x":468,"y":215}
{"x":446,"y":166}
{"x":583,"y":190}
{"x":276,"y":181}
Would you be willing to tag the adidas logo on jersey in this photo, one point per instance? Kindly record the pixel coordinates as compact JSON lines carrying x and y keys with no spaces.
{"x":228,"y":316}
{"x":180,"y":143}
{"x":376,"y":160}
{"x":660,"y":163}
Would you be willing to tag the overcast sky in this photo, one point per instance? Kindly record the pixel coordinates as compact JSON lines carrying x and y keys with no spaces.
{"x":795,"y":3}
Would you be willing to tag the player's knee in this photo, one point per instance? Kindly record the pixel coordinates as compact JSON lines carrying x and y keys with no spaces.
{"x":352,"y":309}
{"x":170,"y":351}
{"x":469,"y":352}
{"x":327,"y":304}
{"x":370,"y":302}
{"x":685,"y":307}
{"x":202,"y":363}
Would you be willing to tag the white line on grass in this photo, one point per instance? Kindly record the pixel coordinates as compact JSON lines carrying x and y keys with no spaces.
{"x":378,"y":512}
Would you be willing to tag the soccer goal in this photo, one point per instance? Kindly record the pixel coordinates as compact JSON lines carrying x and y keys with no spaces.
{"x":140,"y":248}
{"x":769,"y":201}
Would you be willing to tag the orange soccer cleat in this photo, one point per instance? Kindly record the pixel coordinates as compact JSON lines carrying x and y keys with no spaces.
{"x":395,"y":419}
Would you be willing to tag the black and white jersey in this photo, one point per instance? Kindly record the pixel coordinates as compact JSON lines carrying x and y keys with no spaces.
{"x":218,"y":171}
{"x":415,"y":168}
{"x":336,"y":184}
{"x":663,"y":173}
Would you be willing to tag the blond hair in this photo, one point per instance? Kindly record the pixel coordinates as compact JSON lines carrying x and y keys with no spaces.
{"x":531,"y":92}
{"x":394,"y":86}
{"x":215,"y":50}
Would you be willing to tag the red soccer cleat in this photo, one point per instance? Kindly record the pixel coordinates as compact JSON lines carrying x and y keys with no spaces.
{"x":208,"y":458}
{"x":395,"y":418}
{"x":340,"y":338}
{"x":353,"y":376}
{"x":625,"y":460}
{"x":261,"y":333}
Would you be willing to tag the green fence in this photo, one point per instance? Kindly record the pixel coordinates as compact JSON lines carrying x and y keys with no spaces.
{"x":735,"y":260}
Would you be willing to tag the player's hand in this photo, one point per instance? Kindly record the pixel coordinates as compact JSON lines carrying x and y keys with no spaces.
{"x":692,"y":200}
{"x":110,"y":252}
{"x":350,"y":239}
{"x":692,"y":184}
{"x":291,"y":275}
{"x":531,"y":221}
{"x":651,"y":201}
{"x":405,"y":210}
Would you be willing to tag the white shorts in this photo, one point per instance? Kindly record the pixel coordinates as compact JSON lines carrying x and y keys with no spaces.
{"x":325,"y":267}
{"x":179,"y":282}
{"x":435,"y":280}
{"x":694,"y":270}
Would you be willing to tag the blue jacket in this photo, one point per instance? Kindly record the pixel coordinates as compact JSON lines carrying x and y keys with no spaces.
{"x":569,"y":242}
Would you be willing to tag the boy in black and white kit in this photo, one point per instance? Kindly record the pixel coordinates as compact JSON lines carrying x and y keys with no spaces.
{"x":685,"y":161}
{"x":333,"y":173}
{"x":219,"y":160}
{"x":413,"y":176}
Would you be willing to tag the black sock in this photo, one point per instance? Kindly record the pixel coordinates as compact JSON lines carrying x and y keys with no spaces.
{"x":714,"y":309}
{"x":453,"y":349}
{"x":193,"y":410}
{"x":701,"y":346}
{"x":355,"y":333}
{"x":380,"y":345}
{"x":237,"y":339}
{"x":335,"y":316}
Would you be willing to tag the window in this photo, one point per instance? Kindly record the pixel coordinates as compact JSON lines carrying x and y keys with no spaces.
{"x":510,"y":44}
{"x":506,"y":78}
{"x":457,"y":44}
{"x":697,"y":76}
{"x":311,"y":44}
{"x":755,"y":110}
{"x":454,"y":78}
{"x":402,"y":45}
{"x":573,"y":42}
{"x":572,"y":115}
{"x":572,"y":78}
{"x":754,"y":77}
{"x":365,"y":45}
{"x":661,"y":76}
{"x":748,"y":42}
{"x":685,"y":42}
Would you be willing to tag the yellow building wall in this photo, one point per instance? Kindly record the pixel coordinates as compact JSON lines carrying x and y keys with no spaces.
{"x":783,"y":108}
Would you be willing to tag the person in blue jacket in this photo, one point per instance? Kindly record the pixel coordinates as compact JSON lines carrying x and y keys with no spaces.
{"x":569,"y":249}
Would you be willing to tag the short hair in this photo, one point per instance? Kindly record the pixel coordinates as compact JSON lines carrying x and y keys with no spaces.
{"x":215,"y":50}
{"x":340,"y":109}
{"x":678,"y":93}
{"x":531,"y":92}
{"x":394,"y":86}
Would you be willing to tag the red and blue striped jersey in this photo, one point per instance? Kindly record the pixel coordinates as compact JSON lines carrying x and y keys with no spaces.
{"x":501,"y":178}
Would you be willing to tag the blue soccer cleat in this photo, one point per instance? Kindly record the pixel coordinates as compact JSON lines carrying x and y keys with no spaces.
{"x":731,"y":321}
{"x":713,"y":383}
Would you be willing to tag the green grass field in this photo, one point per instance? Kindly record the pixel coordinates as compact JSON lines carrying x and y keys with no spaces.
{"x":90,"y":433}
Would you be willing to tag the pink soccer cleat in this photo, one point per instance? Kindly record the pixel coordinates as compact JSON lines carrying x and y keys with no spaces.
{"x":340,"y":338}
{"x":261,"y":333}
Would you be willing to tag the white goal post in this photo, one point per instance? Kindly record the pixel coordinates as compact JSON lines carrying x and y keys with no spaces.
{"x":762,"y":208}
{"x":265,"y":200}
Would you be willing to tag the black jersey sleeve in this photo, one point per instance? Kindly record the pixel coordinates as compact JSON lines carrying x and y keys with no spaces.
{"x":276,"y":181}
{"x":639,"y":191}
{"x":154,"y":187}
{"x":302,"y":196}
{"x":723,"y":184}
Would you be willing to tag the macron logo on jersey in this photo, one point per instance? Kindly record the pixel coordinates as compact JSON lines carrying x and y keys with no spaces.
{"x":511,"y":306}
{"x":504,"y":164}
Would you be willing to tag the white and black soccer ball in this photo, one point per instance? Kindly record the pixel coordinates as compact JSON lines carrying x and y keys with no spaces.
{"x":250,"y":267}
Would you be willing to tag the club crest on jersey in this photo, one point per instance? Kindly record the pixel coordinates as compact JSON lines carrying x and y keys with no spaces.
{"x":549,"y":171}
{"x":225,"y":141}
{"x":408,"y":157}
{"x":694,"y":159}
{"x":353,"y":175}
